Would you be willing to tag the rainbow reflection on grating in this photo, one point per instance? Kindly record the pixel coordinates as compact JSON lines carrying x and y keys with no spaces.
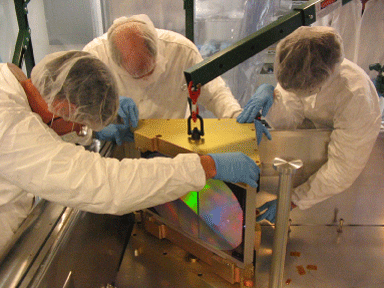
{"x":212,"y":214}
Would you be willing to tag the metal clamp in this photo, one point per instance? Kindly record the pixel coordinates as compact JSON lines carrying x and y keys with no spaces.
{"x":195,"y":133}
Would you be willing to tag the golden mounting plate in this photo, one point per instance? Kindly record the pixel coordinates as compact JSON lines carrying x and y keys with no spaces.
{"x":170,"y":137}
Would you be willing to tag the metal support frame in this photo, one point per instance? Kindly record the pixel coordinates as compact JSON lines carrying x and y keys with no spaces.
{"x":153,"y":223}
{"x":249,"y":222}
{"x":248,"y":237}
{"x":23,"y":47}
{"x":242,"y":50}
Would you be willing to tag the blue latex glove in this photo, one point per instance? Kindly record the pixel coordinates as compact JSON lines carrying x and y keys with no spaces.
{"x":261,"y":100}
{"x":236,"y":167}
{"x":260,"y":130}
{"x":121,"y":132}
{"x":270,"y":213}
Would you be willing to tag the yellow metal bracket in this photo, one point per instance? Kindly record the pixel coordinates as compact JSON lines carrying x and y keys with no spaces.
{"x":168,"y":137}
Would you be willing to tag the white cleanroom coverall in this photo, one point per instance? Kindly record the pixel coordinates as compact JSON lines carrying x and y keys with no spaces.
{"x":346,"y":20}
{"x":370,"y":37}
{"x":363,"y":34}
{"x":348,"y":104}
{"x":164,"y":94}
{"x":34,"y":160}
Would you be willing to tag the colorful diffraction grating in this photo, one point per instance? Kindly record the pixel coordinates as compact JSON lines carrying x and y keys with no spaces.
{"x":212,"y":214}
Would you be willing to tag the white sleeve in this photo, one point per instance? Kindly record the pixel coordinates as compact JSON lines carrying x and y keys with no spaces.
{"x":287,"y":111}
{"x":216,"y":96}
{"x":355,"y":131}
{"x":35,"y":159}
{"x":98,"y":47}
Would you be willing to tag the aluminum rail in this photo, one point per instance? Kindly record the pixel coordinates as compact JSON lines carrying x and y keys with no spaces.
{"x":45,"y":220}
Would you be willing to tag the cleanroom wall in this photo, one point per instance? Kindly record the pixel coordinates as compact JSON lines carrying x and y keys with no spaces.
{"x":60,"y":25}
{"x":8,"y":30}
{"x":57,"y":25}
{"x":217,"y":24}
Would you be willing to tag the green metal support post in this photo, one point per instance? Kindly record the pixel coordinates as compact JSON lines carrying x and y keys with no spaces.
{"x":189,"y":7}
{"x":23,"y":47}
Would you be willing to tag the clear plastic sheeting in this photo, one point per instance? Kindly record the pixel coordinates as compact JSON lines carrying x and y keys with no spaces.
{"x":216,"y":9}
{"x":8,"y":30}
{"x":220,"y":24}
{"x":62,"y":26}
{"x":165,"y":14}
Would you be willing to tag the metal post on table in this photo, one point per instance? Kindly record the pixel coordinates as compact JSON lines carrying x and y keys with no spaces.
{"x":286,"y":172}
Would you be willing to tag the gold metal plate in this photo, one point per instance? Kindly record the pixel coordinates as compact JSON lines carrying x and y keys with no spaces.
{"x":170,"y":137}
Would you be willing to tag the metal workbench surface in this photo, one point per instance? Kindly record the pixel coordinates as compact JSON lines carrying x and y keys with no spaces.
{"x":341,"y":239}
{"x":323,"y":257}
{"x":317,"y":257}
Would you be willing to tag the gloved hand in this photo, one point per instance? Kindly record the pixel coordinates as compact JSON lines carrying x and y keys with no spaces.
{"x":270,"y":213}
{"x":260,"y":130}
{"x":121,"y":132}
{"x":236,"y":167}
{"x":261,"y":100}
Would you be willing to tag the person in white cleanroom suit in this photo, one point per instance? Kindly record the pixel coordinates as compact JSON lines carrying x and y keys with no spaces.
{"x":78,"y":89}
{"x":346,"y":20}
{"x":361,"y":26}
{"x":317,"y":86}
{"x":370,"y":39}
{"x":148,"y":64}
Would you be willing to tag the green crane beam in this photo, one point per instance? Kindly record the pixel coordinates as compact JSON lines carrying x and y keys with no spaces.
{"x":242,"y":50}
